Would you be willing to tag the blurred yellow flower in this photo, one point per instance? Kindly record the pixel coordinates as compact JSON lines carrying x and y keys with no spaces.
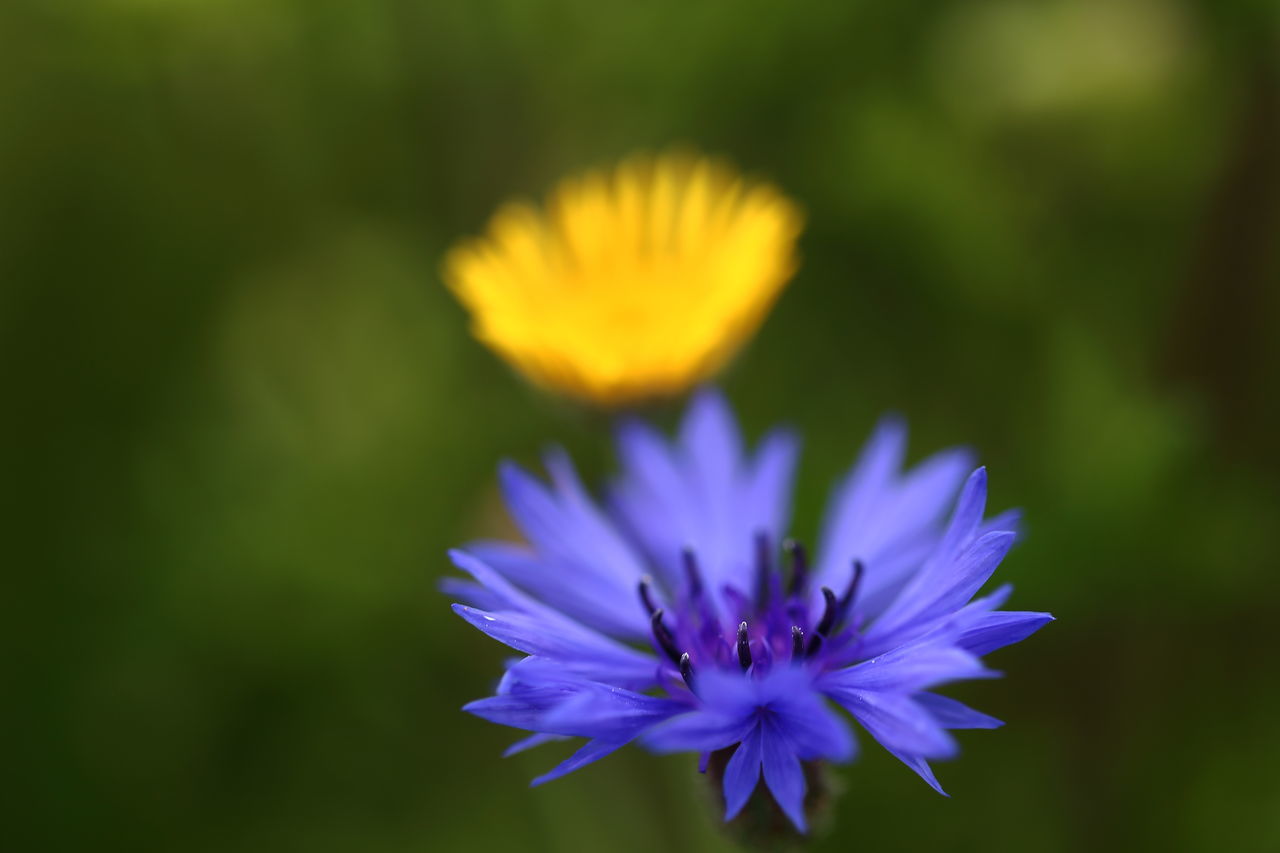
{"x":632,"y":284}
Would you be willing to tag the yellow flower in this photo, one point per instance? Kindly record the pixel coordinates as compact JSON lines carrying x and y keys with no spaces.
{"x":632,"y":284}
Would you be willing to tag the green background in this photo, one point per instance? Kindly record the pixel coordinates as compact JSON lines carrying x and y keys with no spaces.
{"x":244,"y":419}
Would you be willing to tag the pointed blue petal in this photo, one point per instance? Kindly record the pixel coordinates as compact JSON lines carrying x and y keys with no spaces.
{"x":530,"y":742}
{"x":908,"y":669}
{"x":713,"y":462}
{"x":937,"y":592}
{"x":506,"y":711}
{"x":814,"y":729}
{"x":898,"y":722}
{"x":472,"y":594}
{"x":972,"y":570}
{"x":951,"y":714}
{"x":709,"y":435}
{"x":582,"y":652}
{"x":652,"y":498}
{"x":580,"y":561}
{"x":597,"y":541}
{"x":698,"y":731}
{"x":1002,"y":628}
{"x":530,"y":503}
{"x":784,"y":775}
{"x":742,"y":774}
{"x":921,"y":767}
{"x":853,"y":501}
{"x":768,"y":491}
{"x":608,"y":713}
{"x":595,"y":600}
{"x":593,"y":751}
{"x":903,"y":529}
{"x":968,"y":512}
{"x":1010,"y":519}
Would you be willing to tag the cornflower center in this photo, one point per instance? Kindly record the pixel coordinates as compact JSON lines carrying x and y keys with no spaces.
{"x":777,"y":622}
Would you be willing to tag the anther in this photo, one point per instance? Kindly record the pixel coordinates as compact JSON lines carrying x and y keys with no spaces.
{"x":663,"y":636}
{"x":646,"y":595}
{"x":799,"y":565}
{"x":691,"y":572}
{"x":851,"y":593}
{"x":797,"y":641}
{"x":686,"y":669}
{"x":828,"y":620}
{"x":744,"y":647}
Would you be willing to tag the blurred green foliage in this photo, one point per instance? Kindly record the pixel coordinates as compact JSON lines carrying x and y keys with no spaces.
{"x":244,"y":420}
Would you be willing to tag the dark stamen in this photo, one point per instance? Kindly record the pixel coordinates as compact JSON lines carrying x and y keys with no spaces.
{"x":692,"y":573}
{"x":851,"y":593}
{"x":815,"y":644}
{"x":828,"y":620}
{"x":686,"y":669}
{"x":797,"y":641}
{"x":799,"y":565}
{"x":646,"y":595}
{"x":744,"y":647}
{"x":663,"y":636}
{"x":763,"y":567}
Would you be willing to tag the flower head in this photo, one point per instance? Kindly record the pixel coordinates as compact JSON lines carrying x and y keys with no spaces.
{"x":631,"y":284}
{"x":671,"y":615}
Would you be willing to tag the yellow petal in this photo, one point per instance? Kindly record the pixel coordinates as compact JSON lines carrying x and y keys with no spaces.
{"x":632,"y":284}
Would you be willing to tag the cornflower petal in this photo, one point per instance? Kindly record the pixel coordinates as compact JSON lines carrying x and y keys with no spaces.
{"x":698,"y":731}
{"x":951,"y":714}
{"x":593,"y":750}
{"x":595,"y":657}
{"x":527,"y":743}
{"x":742,"y":773}
{"x":920,"y":766}
{"x":898,"y":722}
{"x":994,"y":631}
{"x":783,"y":774}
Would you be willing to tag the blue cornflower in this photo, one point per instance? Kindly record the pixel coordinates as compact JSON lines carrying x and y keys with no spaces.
{"x":676,"y":615}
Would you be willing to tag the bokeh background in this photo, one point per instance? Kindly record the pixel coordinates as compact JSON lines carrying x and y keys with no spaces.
{"x":244,"y":419}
